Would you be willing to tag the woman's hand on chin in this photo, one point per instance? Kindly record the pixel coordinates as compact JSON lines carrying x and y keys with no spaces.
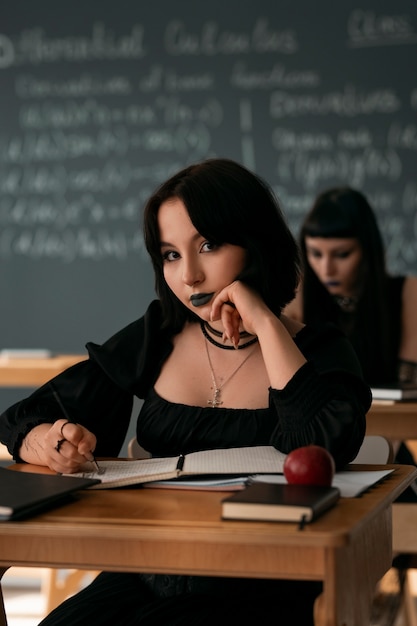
{"x":237,"y":306}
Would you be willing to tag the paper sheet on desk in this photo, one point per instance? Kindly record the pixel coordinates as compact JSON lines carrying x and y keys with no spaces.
{"x":351,"y":484}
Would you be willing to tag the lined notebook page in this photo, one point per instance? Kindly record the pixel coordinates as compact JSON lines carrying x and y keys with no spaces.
{"x":122,"y":470}
{"x":253,"y":460}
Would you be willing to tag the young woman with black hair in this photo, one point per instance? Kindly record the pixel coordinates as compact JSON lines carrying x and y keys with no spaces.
{"x":217,"y":366}
{"x":345,"y":281}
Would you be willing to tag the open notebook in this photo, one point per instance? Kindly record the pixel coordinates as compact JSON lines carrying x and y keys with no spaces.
{"x":218,"y":463}
{"x":222,"y":469}
{"x":23,"y":493}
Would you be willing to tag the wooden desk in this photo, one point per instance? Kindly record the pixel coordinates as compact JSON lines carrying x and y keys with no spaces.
{"x":393,"y":421}
{"x":172,"y":531}
{"x":16,"y":372}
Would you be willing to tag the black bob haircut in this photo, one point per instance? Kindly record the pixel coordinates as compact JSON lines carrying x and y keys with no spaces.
{"x":228,"y":204}
{"x":343,"y":212}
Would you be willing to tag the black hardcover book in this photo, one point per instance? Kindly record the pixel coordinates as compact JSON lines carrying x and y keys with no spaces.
{"x":279,"y":502}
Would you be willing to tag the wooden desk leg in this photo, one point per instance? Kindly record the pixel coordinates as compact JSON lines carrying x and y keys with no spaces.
{"x":352,"y":575}
{"x":3,"y":618}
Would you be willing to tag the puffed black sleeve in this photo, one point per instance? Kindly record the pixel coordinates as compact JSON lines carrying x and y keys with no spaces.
{"x":326,"y":402}
{"x":97,"y":393}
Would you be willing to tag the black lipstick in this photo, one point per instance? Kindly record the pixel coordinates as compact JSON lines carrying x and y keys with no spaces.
{"x":199,"y":299}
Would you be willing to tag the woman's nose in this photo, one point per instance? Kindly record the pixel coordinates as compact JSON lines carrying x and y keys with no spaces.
{"x":192,"y":273}
{"x":327,"y":266}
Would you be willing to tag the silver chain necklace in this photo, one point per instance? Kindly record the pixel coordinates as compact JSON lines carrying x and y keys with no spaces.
{"x":217,"y":389}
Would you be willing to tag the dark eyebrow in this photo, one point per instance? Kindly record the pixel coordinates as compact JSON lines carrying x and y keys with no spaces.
{"x":167,"y":244}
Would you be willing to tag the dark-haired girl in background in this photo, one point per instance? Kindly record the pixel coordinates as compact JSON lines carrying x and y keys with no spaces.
{"x":346,"y":281}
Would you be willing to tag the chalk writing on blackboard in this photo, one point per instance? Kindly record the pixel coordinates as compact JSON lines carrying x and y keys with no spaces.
{"x":99,"y":108}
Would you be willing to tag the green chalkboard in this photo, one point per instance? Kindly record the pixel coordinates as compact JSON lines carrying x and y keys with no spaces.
{"x":101,"y":101}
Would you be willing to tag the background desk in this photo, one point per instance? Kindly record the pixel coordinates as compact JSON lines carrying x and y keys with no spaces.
{"x":15,"y":372}
{"x":394,"y":421}
{"x":145,"y":530}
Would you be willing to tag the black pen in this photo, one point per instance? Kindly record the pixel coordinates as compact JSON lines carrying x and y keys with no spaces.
{"x":67,"y":417}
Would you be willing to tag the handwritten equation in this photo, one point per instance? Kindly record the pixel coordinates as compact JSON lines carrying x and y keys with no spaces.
{"x":93,"y":121}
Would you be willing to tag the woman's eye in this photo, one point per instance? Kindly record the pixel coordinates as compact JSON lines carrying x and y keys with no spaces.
{"x":208,"y":246}
{"x":344,"y":255}
{"x":170,"y":255}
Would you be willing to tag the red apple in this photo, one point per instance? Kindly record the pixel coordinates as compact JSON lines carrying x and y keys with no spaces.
{"x":309,"y":465}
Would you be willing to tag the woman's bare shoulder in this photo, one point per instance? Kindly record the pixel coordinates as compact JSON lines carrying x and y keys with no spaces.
{"x":411,"y":280}
{"x":410,"y":289}
{"x":293,"y":326}
{"x":294,"y":309}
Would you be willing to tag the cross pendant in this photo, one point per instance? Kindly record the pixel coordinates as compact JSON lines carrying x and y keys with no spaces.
{"x":216,"y":398}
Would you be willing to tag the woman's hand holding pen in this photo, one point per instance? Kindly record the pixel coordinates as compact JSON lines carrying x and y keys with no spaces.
{"x":62,"y":446}
{"x":73,"y":444}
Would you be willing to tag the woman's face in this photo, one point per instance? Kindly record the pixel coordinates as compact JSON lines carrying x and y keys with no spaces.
{"x":195,"y":269}
{"x":336,"y":262}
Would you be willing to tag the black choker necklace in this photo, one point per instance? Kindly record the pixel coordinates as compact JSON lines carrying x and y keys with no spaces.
{"x":217,"y":333}
{"x":346,"y":303}
{"x":203,"y":326}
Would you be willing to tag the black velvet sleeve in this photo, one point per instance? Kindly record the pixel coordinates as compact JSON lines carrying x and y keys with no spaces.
{"x":98,"y":392}
{"x":326,"y":402}
{"x":89,"y":397}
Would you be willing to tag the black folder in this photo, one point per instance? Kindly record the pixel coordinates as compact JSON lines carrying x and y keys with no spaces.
{"x":23,"y":494}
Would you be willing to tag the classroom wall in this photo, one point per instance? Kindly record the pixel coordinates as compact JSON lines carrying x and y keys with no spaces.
{"x":101,"y":101}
